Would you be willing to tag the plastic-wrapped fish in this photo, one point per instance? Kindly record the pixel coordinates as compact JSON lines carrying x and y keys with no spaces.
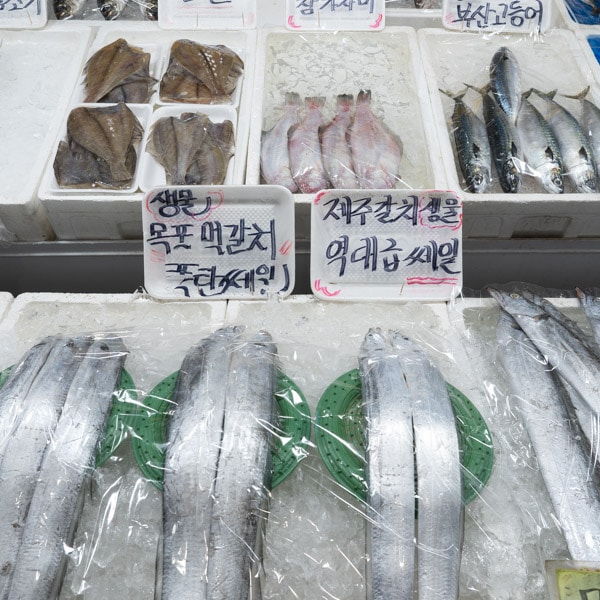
{"x":376,"y":151}
{"x":68,"y":9}
{"x":505,"y":81}
{"x":111,"y":9}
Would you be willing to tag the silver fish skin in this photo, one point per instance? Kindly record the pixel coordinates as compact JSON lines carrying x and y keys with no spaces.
{"x":376,"y":151}
{"x":306,"y":161}
{"x":590,"y":303}
{"x":243,"y":483}
{"x":387,"y":416}
{"x":439,"y":480}
{"x":590,"y":123}
{"x":52,"y":514}
{"x":472,"y":145}
{"x":540,"y":148}
{"x":111,"y":9}
{"x":577,"y":157}
{"x":27,"y":445}
{"x":194,"y":437}
{"x":573,"y":486}
{"x":274,"y":153}
{"x":505,"y":81}
{"x":335,"y":148}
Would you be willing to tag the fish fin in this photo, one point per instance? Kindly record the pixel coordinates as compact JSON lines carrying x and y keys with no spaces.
{"x":455,"y":97}
{"x":546,"y":95}
{"x":364,"y":97}
{"x":579,"y":96}
{"x":482,"y":90}
{"x":314,"y":101}
{"x":292,"y":99}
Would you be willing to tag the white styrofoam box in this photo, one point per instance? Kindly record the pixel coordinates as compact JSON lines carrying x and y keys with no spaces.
{"x":331,"y":63}
{"x":39,"y":71}
{"x":152,"y":174}
{"x":553,"y":61}
{"x":578,"y":14}
{"x":106,"y":215}
{"x":5,"y":302}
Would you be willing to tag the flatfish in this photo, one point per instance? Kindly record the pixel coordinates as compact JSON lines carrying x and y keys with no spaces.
{"x":211,"y":162}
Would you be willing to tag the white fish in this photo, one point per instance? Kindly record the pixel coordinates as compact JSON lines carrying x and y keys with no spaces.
{"x":335,"y":148}
{"x":376,"y":152}
{"x":306,"y":161}
{"x":274,"y":153}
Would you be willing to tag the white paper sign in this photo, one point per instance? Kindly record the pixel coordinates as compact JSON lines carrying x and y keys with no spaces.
{"x":386,"y":245}
{"x":518,"y":16}
{"x":207,"y":14}
{"x":23,"y":14}
{"x":234,"y":242}
{"x":357,"y":15}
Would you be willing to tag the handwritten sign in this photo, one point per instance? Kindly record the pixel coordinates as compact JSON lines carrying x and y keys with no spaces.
{"x":573,"y":580}
{"x":519,"y":16}
{"x":368,"y":15}
{"x":234,"y":242}
{"x":23,"y":14}
{"x":386,"y":245}
{"x":207,"y":14}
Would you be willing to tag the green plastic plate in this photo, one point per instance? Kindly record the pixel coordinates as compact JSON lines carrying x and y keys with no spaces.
{"x":150,"y":429}
{"x":340,"y":437}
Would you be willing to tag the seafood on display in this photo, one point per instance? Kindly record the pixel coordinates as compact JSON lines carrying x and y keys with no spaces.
{"x":200,"y":74}
{"x":100,"y":148}
{"x":354,"y":150}
{"x":192,"y":149}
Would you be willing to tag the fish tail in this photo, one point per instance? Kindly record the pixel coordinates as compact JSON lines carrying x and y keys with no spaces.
{"x":314,"y":102}
{"x":364,"y":97}
{"x":292,"y":99}
{"x":345,"y":101}
{"x":546,"y":95}
{"x":482,"y":90}
{"x":579,"y":96}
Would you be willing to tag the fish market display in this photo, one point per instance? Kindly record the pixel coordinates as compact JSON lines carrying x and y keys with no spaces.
{"x":192,"y":149}
{"x":306,"y":161}
{"x":505,"y":82}
{"x":376,"y":152}
{"x":100,"y":148}
{"x":217,"y":467}
{"x":410,"y":426}
{"x":274,"y":155}
{"x":200,"y":74}
{"x":118,"y":72}
{"x":69,"y":458}
{"x":472,"y":145}
{"x":337,"y":157}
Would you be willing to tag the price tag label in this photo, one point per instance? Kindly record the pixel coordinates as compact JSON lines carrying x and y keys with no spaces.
{"x":236,"y":242}
{"x":23,"y":14}
{"x":386,"y":245}
{"x":573,"y":580}
{"x":518,"y":16}
{"x":358,"y":15}
{"x":207,"y":14}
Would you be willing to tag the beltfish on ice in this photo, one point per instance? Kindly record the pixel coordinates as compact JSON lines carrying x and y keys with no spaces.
{"x":575,"y":150}
{"x":505,"y":81}
{"x":573,"y":486}
{"x":376,"y":151}
{"x":27,"y":445}
{"x":306,"y":161}
{"x":439,"y":482}
{"x":590,"y":303}
{"x":53,"y":511}
{"x":472,"y":145}
{"x":243,"y":481}
{"x":274,"y":153}
{"x":540,"y":148}
{"x":194,"y":435}
{"x":335,"y":148}
{"x":387,"y":416}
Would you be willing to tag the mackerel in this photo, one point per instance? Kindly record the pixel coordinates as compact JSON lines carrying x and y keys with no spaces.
{"x":243,"y":482}
{"x":25,"y":448}
{"x":387,"y":414}
{"x":573,"y":486}
{"x":439,"y":483}
{"x":53,"y":512}
{"x":505,"y":81}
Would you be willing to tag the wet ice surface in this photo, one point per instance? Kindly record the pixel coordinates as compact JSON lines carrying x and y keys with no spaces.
{"x":315,"y":535}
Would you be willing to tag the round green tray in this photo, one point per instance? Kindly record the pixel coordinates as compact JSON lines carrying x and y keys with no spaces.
{"x":340,"y":437}
{"x":150,"y":429}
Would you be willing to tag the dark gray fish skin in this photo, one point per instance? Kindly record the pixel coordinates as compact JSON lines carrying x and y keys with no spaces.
{"x":472,"y":146}
{"x":540,"y":148}
{"x":53,"y":512}
{"x":505,"y":81}
{"x":212,"y":160}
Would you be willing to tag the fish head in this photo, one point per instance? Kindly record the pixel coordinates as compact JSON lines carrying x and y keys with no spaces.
{"x":511,"y":177}
{"x":478,"y":179}
{"x":584,"y":177}
{"x":552,"y":181}
{"x":516,"y":304}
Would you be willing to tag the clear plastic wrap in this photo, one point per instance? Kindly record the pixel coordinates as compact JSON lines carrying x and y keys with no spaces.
{"x":103,"y":10}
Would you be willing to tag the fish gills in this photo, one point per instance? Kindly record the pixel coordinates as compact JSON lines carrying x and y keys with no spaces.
{"x":387,"y":415}
{"x":52,"y":514}
{"x":505,"y":81}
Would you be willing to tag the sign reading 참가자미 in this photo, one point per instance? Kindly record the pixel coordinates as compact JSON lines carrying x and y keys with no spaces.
{"x":365,"y":15}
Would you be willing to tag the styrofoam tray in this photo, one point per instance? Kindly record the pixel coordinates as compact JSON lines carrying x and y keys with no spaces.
{"x":328,"y":64}
{"x":552,"y":61}
{"x":39,"y":71}
{"x":152,"y":174}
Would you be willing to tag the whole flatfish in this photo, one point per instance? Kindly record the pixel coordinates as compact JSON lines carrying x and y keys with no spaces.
{"x":376,"y":151}
{"x":387,"y":417}
{"x":505,"y":81}
{"x":69,"y":459}
{"x":274,"y":153}
{"x":335,"y":147}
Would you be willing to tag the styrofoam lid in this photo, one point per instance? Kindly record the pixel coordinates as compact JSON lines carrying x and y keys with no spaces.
{"x":23,"y":14}
{"x":207,"y":14}
{"x":386,"y":245}
{"x":218,"y":243}
{"x":365,"y":15}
